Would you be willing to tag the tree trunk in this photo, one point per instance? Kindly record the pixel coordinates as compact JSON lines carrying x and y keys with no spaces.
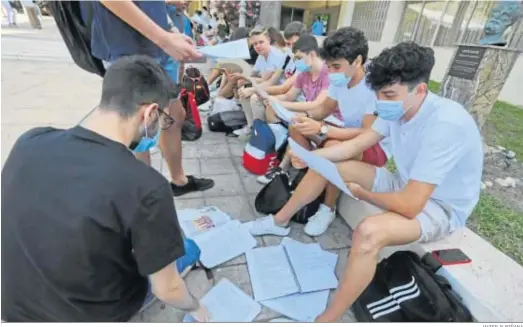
{"x":270,"y":13}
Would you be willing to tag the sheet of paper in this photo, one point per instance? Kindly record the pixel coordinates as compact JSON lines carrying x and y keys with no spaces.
{"x":334,"y":121}
{"x":261,"y":92}
{"x":320,"y":165}
{"x":227,"y":303}
{"x":330,"y":259}
{"x":312,"y":267}
{"x":302,"y":307}
{"x":238,"y":49}
{"x":224,"y":243}
{"x":282,"y":112}
{"x":201,"y":220}
{"x":282,"y":320}
{"x":271,"y":273}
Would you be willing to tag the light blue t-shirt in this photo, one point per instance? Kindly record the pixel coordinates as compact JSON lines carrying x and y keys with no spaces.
{"x":274,"y":61}
{"x":354,"y":104}
{"x":440,"y":145}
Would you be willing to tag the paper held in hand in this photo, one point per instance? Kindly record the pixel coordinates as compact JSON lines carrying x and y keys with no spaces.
{"x":282,"y":112}
{"x":238,"y":49}
{"x":320,"y":165}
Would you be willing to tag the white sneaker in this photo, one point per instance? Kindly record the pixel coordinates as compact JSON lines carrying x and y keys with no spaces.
{"x":244,"y":131}
{"x":271,"y":172}
{"x":267,"y":226}
{"x":320,"y":221}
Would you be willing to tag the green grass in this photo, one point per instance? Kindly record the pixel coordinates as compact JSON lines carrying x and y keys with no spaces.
{"x":501,"y":226}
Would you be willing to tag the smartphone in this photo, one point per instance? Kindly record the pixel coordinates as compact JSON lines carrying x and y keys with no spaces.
{"x":449,"y":257}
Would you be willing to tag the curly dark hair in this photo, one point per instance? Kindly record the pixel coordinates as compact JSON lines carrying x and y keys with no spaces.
{"x":407,"y":63}
{"x":347,"y":43}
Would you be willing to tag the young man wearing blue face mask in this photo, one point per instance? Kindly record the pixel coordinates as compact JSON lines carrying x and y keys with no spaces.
{"x":438,"y":152}
{"x":345,"y":53}
{"x":88,"y":231}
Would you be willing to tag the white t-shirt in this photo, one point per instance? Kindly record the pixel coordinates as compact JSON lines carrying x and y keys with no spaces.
{"x":440,"y":145}
{"x":274,"y":61}
{"x":354,"y":104}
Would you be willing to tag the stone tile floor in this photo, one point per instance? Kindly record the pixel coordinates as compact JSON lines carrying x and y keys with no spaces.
{"x":219,"y":157}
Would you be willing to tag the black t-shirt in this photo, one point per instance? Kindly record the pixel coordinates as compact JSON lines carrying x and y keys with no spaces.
{"x":83,"y":225}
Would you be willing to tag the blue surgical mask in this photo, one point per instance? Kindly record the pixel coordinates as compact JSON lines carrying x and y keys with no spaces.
{"x":390,"y":110}
{"x":339,"y":79}
{"x":147,"y":143}
{"x":301,"y":66}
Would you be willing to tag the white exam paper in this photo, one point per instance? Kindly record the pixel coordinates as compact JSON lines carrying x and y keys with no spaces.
{"x":227,"y":303}
{"x":191,"y":220}
{"x":271,"y":273}
{"x":320,"y":165}
{"x":224,"y":243}
{"x":330,"y":259}
{"x":238,"y":49}
{"x":312,"y":267}
{"x":334,"y":121}
{"x":302,"y":307}
{"x":282,"y":112}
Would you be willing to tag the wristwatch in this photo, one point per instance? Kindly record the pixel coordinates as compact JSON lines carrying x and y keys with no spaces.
{"x":323,"y":130}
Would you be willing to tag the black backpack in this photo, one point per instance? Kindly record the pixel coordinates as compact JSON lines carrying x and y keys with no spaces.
{"x":76,"y":32}
{"x":407,"y":289}
{"x":273,"y":196}
{"x":227,"y":121}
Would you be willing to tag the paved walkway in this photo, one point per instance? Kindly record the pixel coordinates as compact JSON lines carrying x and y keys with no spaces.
{"x":41,"y":86}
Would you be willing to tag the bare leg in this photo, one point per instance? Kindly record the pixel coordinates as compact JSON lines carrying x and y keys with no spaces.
{"x":226,"y":89}
{"x":213,"y":76}
{"x":258,"y":108}
{"x":171,"y":144}
{"x":370,"y":237}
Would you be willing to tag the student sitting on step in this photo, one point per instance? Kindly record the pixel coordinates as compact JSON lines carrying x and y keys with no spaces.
{"x":345,"y":53}
{"x":312,"y":82}
{"x":438,"y":153}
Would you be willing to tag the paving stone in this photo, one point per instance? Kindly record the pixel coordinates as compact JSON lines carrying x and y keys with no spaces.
{"x":236,"y":206}
{"x":213,"y":150}
{"x":217,"y":166}
{"x":189,"y":150}
{"x":337,"y":236}
{"x":212,"y":138}
{"x":237,"y":148}
{"x":159,"y":312}
{"x":225,"y":185}
{"x":238,"y":275}
{"x":197,"y":283}
{"x":249,"y":180}
{"x":181,"y":204}
{"x":190,"y":167}
{"x":241,"y":259}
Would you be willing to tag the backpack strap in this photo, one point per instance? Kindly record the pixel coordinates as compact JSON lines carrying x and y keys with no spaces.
{"x":287,"y":60}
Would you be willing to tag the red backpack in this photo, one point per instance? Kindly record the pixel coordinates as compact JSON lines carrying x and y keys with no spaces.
{"x":192,"y":126}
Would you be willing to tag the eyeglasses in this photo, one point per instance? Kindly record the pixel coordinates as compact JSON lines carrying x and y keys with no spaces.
{"x":166,"y":120}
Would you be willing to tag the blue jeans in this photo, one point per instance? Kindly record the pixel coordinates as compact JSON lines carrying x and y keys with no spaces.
{"x":191,"y":257}
{"x":168,"y":63}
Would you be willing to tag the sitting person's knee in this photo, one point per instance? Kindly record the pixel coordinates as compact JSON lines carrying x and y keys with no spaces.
{"x":368,"y":237}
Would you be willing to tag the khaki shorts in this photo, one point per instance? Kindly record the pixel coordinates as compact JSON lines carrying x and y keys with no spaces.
{"x":435,"y":217}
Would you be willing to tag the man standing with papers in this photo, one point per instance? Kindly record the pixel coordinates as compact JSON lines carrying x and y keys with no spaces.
{"x":438,"y":152}
{"x":345,"y":53}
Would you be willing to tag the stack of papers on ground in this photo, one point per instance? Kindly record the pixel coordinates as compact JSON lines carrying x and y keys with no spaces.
{"x":224,"y":243}
{"x":198,"y":221}
{"x":227,"y":303}
{"x":320,"y":165}
{"x":293,"y":278}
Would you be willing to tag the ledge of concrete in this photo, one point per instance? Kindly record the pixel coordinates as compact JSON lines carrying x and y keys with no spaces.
{"x":491,"y":286}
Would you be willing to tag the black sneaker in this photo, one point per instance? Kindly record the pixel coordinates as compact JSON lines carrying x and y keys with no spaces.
{"x":193,"y":185}
{"x":269,"y":175}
